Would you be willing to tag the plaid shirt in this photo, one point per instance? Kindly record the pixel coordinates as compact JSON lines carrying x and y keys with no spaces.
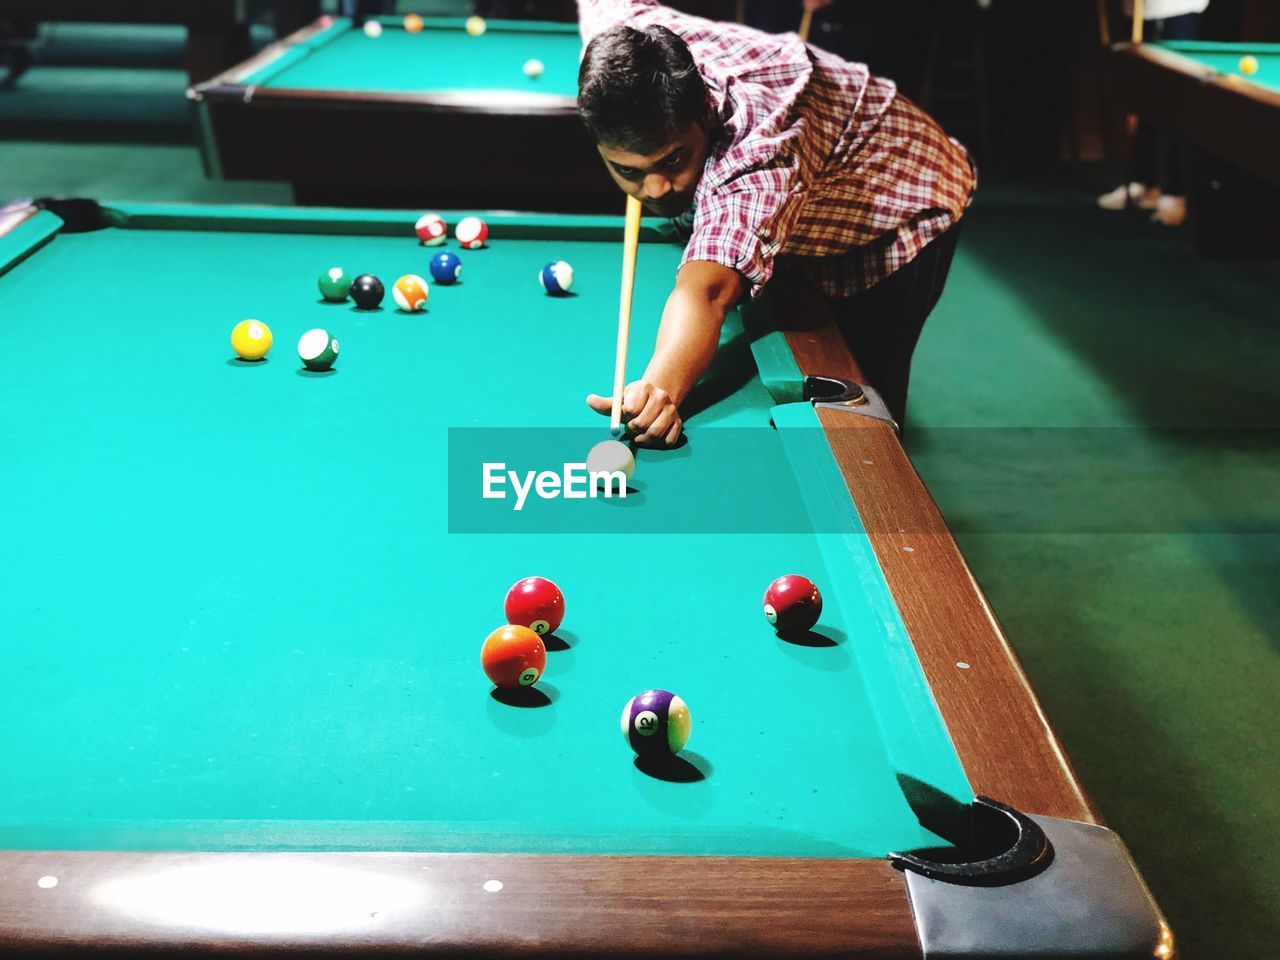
{"x":816,"y":160}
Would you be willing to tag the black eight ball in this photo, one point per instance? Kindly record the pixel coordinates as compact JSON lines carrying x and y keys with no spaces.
{"x":367,"y":291}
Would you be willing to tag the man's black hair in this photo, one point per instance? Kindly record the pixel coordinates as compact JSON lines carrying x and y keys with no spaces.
{"x":639,"y":89}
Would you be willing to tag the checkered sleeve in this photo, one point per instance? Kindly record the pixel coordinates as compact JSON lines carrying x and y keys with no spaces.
{"x":744,"y":226}
{"x":596,"y":16}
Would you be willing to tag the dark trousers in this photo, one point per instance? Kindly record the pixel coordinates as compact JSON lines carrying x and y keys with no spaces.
{"x":882,"y":324}
{"x":1157,"y":159}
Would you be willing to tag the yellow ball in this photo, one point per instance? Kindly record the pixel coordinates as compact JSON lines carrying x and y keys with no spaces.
{"x":413,"y":23}
{"x":251,"y":339}
{"x":476,"y":26}
{"x":1249,"y":65}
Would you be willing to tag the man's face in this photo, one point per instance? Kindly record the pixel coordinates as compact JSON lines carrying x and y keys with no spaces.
{"x":664,"y":180}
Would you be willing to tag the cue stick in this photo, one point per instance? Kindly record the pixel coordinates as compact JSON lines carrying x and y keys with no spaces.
{"x":1104,"y":38}
{"x":806,"y":21}
{"x":741,"y":14}
{"x":630,"y":244}
{"x":1131,"y":120}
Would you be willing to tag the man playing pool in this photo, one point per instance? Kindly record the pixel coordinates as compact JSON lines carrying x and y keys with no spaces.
{"x":769,"y":151}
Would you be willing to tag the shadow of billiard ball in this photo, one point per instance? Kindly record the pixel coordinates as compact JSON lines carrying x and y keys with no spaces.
{"x":557,"y":642}
{"x":528,"y":697}
{"x":675,"y":769}
{"x":807,"y":638}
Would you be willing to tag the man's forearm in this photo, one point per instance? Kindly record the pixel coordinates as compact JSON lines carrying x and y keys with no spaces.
{"x":687,"y":342}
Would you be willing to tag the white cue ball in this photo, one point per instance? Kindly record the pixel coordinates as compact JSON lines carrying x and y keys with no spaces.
{"x":533,"y":68}
{"x":372,"y":28}
{"x":611,"y":456}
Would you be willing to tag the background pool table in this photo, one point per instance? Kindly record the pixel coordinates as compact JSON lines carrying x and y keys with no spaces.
{"x":1230,"y":124}
{"x":242,"y":605}
{"x":217,"y":30}
{"x":436,"y":118}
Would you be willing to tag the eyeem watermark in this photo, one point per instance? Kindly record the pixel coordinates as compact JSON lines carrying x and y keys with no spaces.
{"x":762,"y":480}
{"x":573,"y":482}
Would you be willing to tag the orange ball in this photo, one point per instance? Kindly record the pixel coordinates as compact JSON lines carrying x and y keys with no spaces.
{"x":410,"y":292}
{"x":413,"y":23}
{"x":513,"y":657}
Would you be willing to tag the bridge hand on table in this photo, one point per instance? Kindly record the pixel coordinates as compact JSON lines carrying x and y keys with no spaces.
{"x":648,"y":412}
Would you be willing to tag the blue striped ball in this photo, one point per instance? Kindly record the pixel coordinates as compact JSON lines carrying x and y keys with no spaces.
{"x":556,"y":278}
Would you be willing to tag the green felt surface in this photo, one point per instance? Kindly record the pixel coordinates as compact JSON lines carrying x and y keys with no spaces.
{"x":1225,"y":58}
{"x":442,"y":58}
{"x":235,"y":616}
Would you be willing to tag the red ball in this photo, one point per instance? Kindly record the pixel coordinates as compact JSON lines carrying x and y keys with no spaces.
{"x":471,"y":233}
{"x":536,"y":603}
{"x":792,"y":604}
{"x":431,"y":229}
{"x":513,"y":657}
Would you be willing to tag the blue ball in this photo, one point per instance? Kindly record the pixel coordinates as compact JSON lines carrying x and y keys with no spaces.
{"x":556,"y":278}
{"x":446,"y":267}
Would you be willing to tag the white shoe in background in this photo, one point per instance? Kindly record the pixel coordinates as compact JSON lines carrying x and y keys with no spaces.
{"x":1117,"y":199}
{"x":1148,"y":198}
{"x":1130,"y":195}
{"x":1171,"y":211}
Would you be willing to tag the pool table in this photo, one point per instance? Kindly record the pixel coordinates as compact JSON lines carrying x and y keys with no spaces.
{"x":217,"y":30}
{"x":1230,"y":123}
{"x":242,"y":707}
{"x":436,"y":118}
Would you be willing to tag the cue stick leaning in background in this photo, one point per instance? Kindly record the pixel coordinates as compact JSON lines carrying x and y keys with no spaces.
{"x":630,"y":244}
{"x":1131,"y":120}
{"x":806,"y":21}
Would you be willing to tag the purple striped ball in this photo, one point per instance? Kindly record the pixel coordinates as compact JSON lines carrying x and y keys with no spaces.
{"x":656,"y":723}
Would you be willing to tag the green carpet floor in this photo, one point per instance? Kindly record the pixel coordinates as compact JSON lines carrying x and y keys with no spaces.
{"x":1096,"y":410}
